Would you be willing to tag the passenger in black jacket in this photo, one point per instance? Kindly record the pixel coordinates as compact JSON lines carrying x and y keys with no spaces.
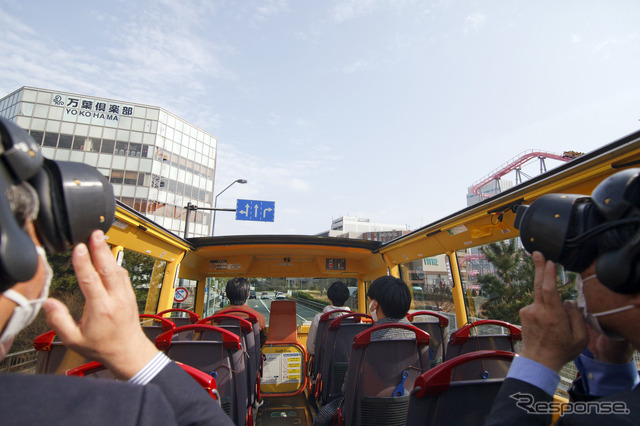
{"x":598,"y":237}
{"x":152,"y":390}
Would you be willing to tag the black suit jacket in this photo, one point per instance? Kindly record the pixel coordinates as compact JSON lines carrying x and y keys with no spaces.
{"x":171,"y":398}
{"x":517,"y":400}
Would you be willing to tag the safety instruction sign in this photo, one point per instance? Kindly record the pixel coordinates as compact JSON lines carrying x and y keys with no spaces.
{"x":282,"y":369}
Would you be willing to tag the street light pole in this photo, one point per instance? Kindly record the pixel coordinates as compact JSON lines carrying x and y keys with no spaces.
{"x":215,"y":203}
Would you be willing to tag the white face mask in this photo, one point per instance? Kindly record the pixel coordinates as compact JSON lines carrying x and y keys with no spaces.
{"x":373,"y":313}
{"x":592,"y":319}
{"x":26,"y":311}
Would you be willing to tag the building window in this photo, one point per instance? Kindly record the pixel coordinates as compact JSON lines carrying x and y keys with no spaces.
{"x":134,"y":149}
{"x":107,"y":146}
{"x":92,"y":145}
{"x":116,"y":176}
{"x":78,"y":143}
{"x":50,"y":139}
{"x":121,"y":148}
{"x":37,"y":136}
{"x":65,"y":141}
{"x":130,"y":177}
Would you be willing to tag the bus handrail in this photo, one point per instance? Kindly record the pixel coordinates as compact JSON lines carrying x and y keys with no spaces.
{"x":437,"y":380}
{"x":250,"y":315}
{"x":444,"y":321}
{"x":229,"y":340}
{"x":336,"y":323}
{"x":165,"y":323}
{"x":461,"y":335}
{"x":245,"y":325}
{"x":364,"y":338}
{"x":193,"y":317}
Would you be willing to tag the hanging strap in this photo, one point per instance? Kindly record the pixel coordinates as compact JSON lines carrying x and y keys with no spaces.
{"x":399,"y":390}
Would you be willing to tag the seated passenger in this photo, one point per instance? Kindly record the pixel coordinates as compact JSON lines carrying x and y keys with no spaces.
{"x":238,"y":292}
{"x":338,"y":293}
{"x":600,"y":330}
{"x":153,"y":390}
{"x":390,"y":301}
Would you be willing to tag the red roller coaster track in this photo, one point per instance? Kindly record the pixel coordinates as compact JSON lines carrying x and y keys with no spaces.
{"x":517,"y":162}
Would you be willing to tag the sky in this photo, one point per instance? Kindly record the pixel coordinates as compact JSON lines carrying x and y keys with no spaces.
{"x":387,"y":109}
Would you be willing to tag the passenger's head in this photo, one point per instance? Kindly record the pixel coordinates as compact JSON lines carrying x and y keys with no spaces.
{"x":391,"y":295}
{"x":237,"y":290}
{"x":338,"y":293}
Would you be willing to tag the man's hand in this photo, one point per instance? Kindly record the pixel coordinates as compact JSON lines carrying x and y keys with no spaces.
{"x":553,"y":333}
{"x":109,"y":330}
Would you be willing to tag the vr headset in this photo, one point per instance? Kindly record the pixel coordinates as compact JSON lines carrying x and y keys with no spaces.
{"x":75,"y":199}
{"x":565,"y":227}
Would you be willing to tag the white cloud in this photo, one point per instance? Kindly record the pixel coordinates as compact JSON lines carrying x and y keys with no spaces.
{"x":269,"y":8}
{"x":347,"y":10}
{"x":575,"y":38}
{"x":299,"y":185}
{"x":355,"y":67}
{"x":604,"y":46}
{"x":474,"y":22}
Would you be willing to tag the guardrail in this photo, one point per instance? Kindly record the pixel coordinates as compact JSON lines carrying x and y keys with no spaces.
{"x":19,"y":361}
{"x":309,"y":303}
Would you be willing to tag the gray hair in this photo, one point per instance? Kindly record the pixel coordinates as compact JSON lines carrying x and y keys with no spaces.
{"x":23,"y":201}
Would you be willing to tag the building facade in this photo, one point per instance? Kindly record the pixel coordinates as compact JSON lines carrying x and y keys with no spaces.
{"x":363,"y":228}
{"x":156,"y":161}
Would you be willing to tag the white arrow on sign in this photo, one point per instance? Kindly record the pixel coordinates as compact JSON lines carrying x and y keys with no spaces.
{"x":264,"y":213}
{"x":246,"y":211}
{"x":256,"y":209}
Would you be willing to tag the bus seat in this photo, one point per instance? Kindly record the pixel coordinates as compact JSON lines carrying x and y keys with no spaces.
{"x":321,"y":334}
{"x":97,"y":370}
{"x":463,"y":341}
{"x":282,"y":322}
{"x":243,"y":329}
{"x":53,"y":356}
{"x":253,"y":319}
{"x":379,"y":368}
{"x":154,"y":325}
{"x":341,"y":333}
{"x":437,"y":332}
{"x":190,"y":317}
{"x":439,"y":393}
{"x":223,"y":359}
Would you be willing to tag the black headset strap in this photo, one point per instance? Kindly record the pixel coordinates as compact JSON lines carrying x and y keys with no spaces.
{"x":582,"y":238}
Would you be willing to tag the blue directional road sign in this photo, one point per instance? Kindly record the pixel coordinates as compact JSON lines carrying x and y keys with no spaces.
{"x":260,"y":211}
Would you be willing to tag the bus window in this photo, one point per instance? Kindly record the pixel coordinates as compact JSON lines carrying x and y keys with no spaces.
{"x":430,"y":283}
{"x":190,"y":303}
{"x":146,"y":274}
{"x":310,"y":294}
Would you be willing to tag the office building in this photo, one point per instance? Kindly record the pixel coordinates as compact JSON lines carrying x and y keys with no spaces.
{"x":156,"y":161}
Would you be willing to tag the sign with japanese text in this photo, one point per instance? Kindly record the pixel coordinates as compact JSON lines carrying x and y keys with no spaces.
{"x":91,"y":111}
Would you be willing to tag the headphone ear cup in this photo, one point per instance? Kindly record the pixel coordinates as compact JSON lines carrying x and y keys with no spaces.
{"x":618,"y":270}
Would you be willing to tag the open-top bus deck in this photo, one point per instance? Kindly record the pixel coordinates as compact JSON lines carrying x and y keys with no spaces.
{"x":287,"y":391}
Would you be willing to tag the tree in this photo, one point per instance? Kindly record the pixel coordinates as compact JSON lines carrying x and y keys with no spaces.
{"x":140,"y":268}
{"x":511,"y":287}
